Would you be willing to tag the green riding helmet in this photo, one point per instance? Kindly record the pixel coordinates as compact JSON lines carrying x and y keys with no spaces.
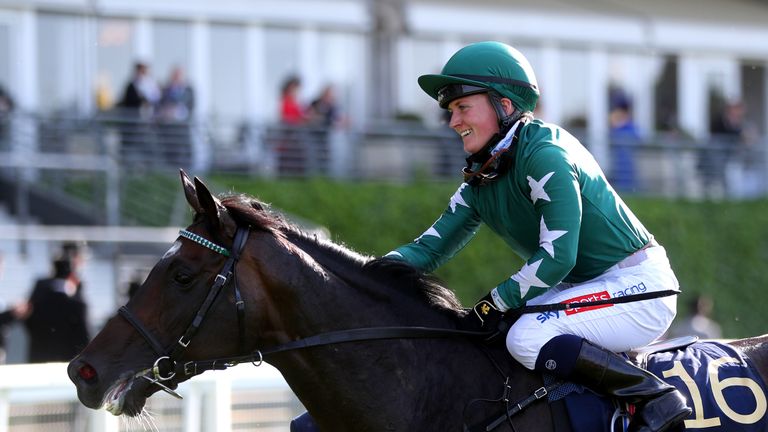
{"x":484,"y":66}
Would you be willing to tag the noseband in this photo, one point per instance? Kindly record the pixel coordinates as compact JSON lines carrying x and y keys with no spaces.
{"x":164,"y":368}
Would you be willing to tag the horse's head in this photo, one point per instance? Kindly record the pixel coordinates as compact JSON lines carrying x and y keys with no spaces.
{"x":141,"y":349}
{"x":190,"y":310}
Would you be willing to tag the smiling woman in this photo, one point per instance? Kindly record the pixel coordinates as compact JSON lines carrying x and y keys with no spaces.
{"x":473,"y":118}
{"x":535,"y":186}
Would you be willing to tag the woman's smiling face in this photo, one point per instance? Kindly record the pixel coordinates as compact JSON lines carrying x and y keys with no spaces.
{"x":474,"y":119}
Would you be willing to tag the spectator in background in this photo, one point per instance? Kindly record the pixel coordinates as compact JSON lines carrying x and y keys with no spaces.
{"x":174,"y":112}
{"x":136,"y":108}
{"x":177,"y":98}
{"x":728,"y":124}
{"x":698,"y":322}
{"x":739,"y":167}
{"x":624,"y":137}
{"x":6,"y":102}
{"x":135,"y":283}
{"x":726,"y":129}
{"x":6,"y":108}
{"x":9,"y":316}
{"x":324,"y":110}
{"x":133,"y":286}
{"x":58,"y":325}
{"x":292,"y":143}
{"x":141,"y":93}
{"x":324,"y":114}
{"x":291,"y":111}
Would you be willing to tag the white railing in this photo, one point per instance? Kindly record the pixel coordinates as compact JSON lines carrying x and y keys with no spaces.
{"x":243,"y":398}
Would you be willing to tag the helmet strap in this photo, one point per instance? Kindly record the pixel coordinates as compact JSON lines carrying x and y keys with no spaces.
{"x":505,"y":120}
{"x":505,"y":123}
{"x":483,"y":168}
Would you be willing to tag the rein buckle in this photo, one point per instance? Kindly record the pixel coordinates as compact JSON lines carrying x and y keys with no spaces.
{"x":183,"y":343}
{"x":190,"y":368}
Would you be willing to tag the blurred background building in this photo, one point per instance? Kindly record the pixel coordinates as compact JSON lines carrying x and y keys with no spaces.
{"x":670,"y":95}
{"x":671,"y":61}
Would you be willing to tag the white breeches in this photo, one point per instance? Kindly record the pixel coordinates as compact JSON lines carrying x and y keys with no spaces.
{"x":617,"y":327}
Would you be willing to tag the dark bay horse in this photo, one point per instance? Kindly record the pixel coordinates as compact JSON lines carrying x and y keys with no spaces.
{"x":240,"y":284}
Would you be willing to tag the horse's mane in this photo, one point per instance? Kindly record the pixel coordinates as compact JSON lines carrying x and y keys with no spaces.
{"x":409,"y":278}
{"x":246,"y":210}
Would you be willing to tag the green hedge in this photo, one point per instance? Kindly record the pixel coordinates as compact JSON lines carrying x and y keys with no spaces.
{"x":717,"y":248}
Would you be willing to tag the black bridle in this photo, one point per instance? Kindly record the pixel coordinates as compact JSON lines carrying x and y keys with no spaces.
{"x":165,"y":367}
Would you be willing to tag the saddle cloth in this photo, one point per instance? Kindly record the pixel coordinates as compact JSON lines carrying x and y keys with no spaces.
{"x":720,"y":384}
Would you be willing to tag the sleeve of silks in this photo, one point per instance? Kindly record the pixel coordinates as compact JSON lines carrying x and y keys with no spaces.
{"x":448,"y":235}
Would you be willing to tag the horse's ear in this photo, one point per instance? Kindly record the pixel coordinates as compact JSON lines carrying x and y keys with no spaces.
{"x":208,"y":203}
{"x":190,"y":192}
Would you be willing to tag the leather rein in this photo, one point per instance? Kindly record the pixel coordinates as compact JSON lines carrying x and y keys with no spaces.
{"x":167,"y":365}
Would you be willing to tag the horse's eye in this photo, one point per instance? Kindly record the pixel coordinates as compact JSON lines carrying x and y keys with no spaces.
{"x":182,"y":278}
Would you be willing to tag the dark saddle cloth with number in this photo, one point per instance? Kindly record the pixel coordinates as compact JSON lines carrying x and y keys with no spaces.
{"x":721,"y":385}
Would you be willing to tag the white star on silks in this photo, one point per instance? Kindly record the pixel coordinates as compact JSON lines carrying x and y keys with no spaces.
{"x":526,"y":278}
{"x":457,"y":199}
{"x":430,"y":232}
{"x":546,"y":237}
{"x":537,"y":188}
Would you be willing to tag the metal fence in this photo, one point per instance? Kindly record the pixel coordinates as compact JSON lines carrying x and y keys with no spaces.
{"x":40,"y":398}
{"x":87,"y":166}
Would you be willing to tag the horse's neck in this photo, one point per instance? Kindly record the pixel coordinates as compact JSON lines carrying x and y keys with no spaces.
{"x":300,"y":291}
{"x":336,"y":277}
{"x":333,"y":258}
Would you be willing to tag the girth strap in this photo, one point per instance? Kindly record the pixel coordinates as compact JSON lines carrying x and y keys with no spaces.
{"x":512,"y":408}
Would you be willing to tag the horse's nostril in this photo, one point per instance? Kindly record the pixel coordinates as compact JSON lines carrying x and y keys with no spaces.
{"x":87,"y":372}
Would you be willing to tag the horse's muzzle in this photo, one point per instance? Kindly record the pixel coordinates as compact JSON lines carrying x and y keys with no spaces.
{"x":87,"y":381}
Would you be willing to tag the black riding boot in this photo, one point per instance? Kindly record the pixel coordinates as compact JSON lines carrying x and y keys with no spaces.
{"x":659,"y":405}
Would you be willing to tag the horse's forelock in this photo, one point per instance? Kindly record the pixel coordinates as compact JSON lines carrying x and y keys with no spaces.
{"x":250,"y":211}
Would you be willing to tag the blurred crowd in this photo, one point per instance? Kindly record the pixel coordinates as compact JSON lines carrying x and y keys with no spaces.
{"x":54,"y":314}
{"x":155,"y":123}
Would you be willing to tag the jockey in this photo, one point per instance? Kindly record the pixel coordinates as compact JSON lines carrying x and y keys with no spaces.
{"x":534,"y":185}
